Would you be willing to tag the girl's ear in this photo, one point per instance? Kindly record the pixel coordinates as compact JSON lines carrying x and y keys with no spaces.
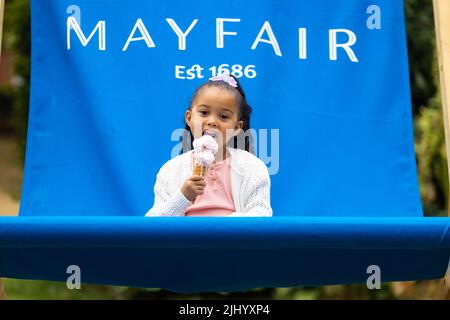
{"x":187,"y":117}
{"x":239,"y":126}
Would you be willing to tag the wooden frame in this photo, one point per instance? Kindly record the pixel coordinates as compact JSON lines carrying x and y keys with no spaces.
{"x":441,"y":10}
{"x":2,"y":8}
{"x":442,"y":23}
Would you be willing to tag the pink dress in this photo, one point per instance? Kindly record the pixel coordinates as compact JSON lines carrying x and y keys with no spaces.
{"x":216,"y":199}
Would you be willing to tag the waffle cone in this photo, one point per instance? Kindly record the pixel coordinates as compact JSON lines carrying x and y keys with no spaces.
{"x":200,"y":170}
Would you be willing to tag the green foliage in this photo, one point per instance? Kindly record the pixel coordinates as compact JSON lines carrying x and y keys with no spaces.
{"x":48,"y":290}
{"x":18,"y":41}
{"x":421,"y":41}
{"x":6,"y":108}
{"x":431,"y":153}
{"x":430,"y":147}
{"x":427,"y":107}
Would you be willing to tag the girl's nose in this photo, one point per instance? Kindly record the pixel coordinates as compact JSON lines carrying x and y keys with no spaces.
{"x":211,"y":122}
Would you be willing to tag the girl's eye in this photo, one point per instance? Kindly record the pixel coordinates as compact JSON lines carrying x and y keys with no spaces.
{"x":203,"y":113}
{"x":225,"y":117}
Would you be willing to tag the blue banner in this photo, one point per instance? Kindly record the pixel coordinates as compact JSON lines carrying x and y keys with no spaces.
{"x":327,"y":81}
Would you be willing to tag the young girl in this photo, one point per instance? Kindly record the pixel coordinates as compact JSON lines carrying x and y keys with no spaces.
{"x":237,"y":183}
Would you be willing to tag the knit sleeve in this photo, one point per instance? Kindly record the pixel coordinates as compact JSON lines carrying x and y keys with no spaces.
{"x":257,"y":194}
{"x":167,"y":201}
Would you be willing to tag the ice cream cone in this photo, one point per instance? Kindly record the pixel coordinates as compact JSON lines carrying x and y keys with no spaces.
{"x":205,"y":149}
{"x":200,"y":170}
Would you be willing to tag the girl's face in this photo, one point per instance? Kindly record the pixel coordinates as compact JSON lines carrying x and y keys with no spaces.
{"x":214,"y":111}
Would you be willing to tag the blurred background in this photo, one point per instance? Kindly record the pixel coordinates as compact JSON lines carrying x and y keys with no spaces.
{"x":429,"y":146}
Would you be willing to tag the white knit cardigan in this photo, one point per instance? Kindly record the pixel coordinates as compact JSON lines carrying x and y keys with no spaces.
{"x":250,"y":186}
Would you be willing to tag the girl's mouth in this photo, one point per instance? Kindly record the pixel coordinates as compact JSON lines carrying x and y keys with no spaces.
{"x":211,"y":133}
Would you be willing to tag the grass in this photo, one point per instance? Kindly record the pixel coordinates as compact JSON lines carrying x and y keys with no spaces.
{"x":50,"y":290}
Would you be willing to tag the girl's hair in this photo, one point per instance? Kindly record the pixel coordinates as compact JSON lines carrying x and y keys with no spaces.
{"x":244,"y":140}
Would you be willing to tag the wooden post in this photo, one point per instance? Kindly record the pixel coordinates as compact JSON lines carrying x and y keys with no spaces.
{"x":2,"y":8}
{"x":442,"y":25}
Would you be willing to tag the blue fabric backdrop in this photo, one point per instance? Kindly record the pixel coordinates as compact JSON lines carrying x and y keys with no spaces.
{"x":340,"y":140}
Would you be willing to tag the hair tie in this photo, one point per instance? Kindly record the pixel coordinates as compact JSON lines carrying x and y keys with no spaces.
{"x":225,"y":77}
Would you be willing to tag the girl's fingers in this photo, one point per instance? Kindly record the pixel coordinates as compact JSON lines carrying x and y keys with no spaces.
{"x":201,"y":183}
{"x":197,"y":187}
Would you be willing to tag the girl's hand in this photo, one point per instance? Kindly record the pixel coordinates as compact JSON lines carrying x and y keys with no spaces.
{"x":193,"y":187}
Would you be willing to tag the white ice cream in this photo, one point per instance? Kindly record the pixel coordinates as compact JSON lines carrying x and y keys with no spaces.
{"x":205,"y":149}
